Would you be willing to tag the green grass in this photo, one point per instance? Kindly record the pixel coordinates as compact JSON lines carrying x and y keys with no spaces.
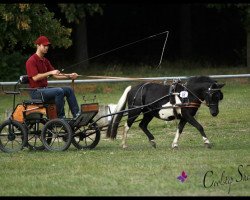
{"x":141,"y":170}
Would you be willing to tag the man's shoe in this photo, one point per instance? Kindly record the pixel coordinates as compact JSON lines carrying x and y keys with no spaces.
{"x":77,"y":115}
{"x":63,"y":117}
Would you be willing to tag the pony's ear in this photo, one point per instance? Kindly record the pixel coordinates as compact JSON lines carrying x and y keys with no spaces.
{"x":220,"y":85}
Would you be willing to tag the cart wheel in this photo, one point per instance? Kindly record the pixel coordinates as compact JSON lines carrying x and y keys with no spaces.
{"x":56,"y":135}
{"x":86,"y":137}
{"x":13,"y":136}
{"x":34,"y":129}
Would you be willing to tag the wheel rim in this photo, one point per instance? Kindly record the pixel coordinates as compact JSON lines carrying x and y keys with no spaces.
{"x":58,"y":133}
{"x":86,"y":137}
{"x":13,"y":136}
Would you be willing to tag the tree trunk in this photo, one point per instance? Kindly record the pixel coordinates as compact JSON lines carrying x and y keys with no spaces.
{"x":81,"y":46}
{"x":248,"y":49}
{"x":185,"y":31}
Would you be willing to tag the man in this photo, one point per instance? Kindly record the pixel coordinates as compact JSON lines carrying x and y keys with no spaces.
{"x":38,"y":69}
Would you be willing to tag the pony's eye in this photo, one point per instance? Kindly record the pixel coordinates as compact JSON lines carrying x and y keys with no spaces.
{"x":216,"y":96}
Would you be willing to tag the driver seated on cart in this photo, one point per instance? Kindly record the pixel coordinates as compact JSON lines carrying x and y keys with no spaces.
{"x":38,"y":69}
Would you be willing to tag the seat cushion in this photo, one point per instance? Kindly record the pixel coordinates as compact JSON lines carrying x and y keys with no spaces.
{"x":33,"y":101}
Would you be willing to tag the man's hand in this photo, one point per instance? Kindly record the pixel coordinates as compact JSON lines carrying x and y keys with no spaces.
{"x":73,"y":76}
{"x":55,"y":72}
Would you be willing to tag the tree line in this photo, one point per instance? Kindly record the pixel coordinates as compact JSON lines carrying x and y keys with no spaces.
{"x":65,"y":24}
{"x":22,"y":23}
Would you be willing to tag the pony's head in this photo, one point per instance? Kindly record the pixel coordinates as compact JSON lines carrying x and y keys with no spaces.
{"x":205,"y":88}
{"x":212,"y":97}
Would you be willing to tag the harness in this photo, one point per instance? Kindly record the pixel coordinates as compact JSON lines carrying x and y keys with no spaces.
{"x":172,"y":93}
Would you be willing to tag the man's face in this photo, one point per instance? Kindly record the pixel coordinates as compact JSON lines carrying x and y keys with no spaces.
{"x":43,"y":48}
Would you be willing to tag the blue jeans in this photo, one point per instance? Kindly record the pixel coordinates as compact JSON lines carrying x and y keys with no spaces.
{"x":57,"y":95}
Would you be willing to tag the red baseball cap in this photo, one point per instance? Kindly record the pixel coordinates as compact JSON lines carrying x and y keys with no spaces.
{"x":42,"y":40}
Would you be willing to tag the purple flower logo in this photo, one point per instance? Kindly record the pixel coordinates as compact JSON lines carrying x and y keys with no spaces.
{"x":182,"y":177}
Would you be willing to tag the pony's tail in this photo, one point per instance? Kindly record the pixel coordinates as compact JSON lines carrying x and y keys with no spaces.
{"x":115,"y":120}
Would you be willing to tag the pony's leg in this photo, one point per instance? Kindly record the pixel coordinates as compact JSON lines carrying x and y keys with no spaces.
{"x":181,"y":125}
{"x":190,"y":119}
{"x":124,"y":136}
{"x":131,"y":118}
{"x":144,"y":124}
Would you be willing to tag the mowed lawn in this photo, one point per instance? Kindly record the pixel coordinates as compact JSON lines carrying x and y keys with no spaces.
{"x":141,"y":170}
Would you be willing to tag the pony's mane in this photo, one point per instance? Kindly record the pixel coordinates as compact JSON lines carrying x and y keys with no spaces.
{"x":200,"y":79}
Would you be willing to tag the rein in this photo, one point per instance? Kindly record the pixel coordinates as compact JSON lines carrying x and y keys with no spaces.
{"x":203,"y":102}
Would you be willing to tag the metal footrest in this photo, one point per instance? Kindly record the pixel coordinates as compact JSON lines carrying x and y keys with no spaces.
{"x":88,"y":112}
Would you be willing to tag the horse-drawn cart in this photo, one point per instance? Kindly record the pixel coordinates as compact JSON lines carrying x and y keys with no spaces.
{"x":34,"y":123}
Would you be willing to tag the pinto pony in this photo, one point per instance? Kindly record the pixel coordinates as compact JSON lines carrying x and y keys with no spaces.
{"x":167,"y":102}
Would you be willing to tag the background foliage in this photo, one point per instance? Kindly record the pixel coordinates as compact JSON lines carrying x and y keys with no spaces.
{"x":22,"y":23}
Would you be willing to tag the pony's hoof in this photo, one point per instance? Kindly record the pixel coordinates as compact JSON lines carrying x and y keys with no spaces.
{"x":124,"y":146}
{"x":208,"y":145}
{"x":152,"y":142}
{"x":174,"y":146}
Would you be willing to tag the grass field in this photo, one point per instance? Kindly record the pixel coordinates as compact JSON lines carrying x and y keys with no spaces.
{"x":141,"y":170}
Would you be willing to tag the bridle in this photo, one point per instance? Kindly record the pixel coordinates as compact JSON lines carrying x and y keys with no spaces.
{"x":209,"y":92}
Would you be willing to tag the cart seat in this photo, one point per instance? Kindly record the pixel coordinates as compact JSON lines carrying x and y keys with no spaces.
{"x":33,"y":101}
{"x":23,"y":79}
{"x":37,"y":101}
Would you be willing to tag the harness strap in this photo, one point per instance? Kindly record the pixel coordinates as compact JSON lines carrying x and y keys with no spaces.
{"x":188,"y":105}
{"x":140,"y":88}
